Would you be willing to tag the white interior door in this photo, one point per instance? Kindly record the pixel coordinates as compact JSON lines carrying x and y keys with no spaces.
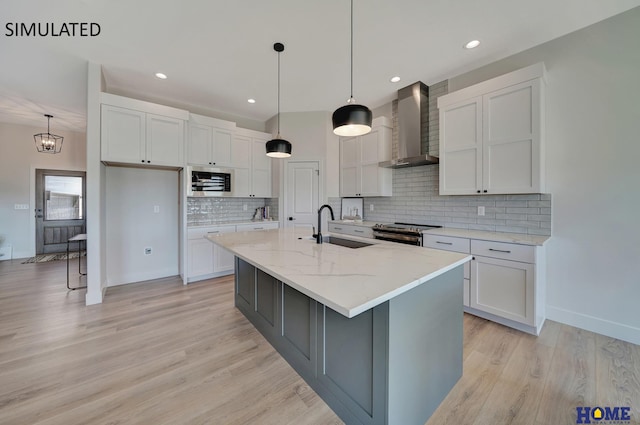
{"x":303,"y":194}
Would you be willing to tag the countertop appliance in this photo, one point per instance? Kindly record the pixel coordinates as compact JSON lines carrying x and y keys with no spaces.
{"x":407,"y":233}
{"x":207,"y":181}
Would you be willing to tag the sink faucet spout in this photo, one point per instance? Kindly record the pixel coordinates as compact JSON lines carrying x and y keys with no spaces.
{"x":319,"y":234}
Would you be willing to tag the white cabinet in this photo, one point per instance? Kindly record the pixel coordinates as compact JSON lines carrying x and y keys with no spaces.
{"x":252,"y":166}
{"x":210,"y":141}
{"x":259,"y":225}
{"x":491,"y":137}
{"x":360,"y":174}
{"x":462,"y":245}
{"x":137,"y":132}
{"x":351,"y":229}
{"x":508,"y":283}
{"x":504,"y":282}
{"x":205,"y":259}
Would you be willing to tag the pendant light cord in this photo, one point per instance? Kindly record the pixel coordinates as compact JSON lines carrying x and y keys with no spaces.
{"x":351,"y":98}
{"x":278,"y":94}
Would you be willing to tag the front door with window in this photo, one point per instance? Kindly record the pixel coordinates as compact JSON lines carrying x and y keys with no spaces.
{"x":60,"y":208}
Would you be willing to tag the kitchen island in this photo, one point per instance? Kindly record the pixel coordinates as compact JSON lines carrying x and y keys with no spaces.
{"x":376,"y":331}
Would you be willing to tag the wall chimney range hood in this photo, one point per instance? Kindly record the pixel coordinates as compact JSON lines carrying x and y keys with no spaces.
{"x":412,"y":128}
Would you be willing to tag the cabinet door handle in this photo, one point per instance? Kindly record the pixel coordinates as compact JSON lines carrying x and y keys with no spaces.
{"x":217,"y":231}
{"x":478,"y":191}
{"x":444,"y":243}
{"x":484,"y":191}
{"x":500,"y":250}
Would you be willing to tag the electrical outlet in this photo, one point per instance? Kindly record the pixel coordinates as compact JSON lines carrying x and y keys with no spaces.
{"x":370,"y":207}
{"x":244,"y":207}
{"x":147,"y":251}
{"x":480,"y":210}
{"x":156,"y":209}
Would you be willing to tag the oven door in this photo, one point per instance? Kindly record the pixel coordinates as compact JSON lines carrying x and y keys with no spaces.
{"x":398,"y":237}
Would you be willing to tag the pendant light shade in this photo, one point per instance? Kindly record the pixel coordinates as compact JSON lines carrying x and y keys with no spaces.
{"x":352,"y":119}
{"x":278,"y":147}
{"x":47,"y":142}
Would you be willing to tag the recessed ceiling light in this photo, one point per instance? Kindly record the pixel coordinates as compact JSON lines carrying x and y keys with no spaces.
{"x":161,"y":75}
{"x":251,"y":100}
{"x":394,"y":79}
{"x":472,"y":44}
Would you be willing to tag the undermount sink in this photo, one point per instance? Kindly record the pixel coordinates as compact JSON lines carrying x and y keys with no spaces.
{"x":344,"y":242}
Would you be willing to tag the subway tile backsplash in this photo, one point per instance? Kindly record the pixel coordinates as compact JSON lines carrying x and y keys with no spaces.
{"x":205,"y":211}
{"x":416,"y":200}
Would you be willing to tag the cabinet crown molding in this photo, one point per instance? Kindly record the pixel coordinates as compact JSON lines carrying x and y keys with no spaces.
{"x":143,"y":106}
{"x":531,"y":72}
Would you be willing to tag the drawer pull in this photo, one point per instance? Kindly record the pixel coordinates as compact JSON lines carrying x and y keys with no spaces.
{"x":444,"y":243}
{"x":359,"y":231}
{"x":258,"y":228}
{"x":338,"y":228}
{"x":217,"y":231}
{"x":500,"y":250}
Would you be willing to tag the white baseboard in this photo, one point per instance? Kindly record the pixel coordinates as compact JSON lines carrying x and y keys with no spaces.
{"x":94,"y":297}
{"x":594,"y":324}
{"x":140,"y":277}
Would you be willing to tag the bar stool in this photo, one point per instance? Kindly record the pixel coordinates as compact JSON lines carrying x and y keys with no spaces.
{"x":79,"y":238}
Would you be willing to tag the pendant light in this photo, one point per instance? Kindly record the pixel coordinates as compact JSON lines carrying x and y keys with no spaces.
{"x":352,"y":119}
{"x":47,"y":142}
{"x":278,"y":148}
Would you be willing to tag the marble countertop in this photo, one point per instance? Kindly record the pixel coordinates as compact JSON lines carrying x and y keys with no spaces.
{"x":490,"y":236}
{"x":350,"y":281}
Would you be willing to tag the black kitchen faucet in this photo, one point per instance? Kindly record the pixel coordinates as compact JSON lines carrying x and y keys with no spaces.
{"x":318,"y":236}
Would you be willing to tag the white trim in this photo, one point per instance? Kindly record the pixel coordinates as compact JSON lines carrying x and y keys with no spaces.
{"x":94,"y":297}
{"x":141,"y":105}
{"x":512,"y":78}
{"x":213,"y":122}
{"x":594,"y":324}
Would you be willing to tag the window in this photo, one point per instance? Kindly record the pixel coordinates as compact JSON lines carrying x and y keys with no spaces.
{"x":63,"y":198}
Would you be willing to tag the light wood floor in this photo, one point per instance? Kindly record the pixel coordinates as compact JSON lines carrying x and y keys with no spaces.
{"x":161,"y":353}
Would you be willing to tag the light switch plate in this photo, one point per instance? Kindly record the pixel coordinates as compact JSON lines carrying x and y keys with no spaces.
{"x":21,"y":206}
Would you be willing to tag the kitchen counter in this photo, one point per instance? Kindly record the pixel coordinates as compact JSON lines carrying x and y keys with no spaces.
{"x":375,"y":331}
{"x":347,"y":280}
{"x":518,"y":238}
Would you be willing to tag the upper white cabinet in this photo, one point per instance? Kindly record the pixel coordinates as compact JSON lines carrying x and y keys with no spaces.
{"x":210,"y":141}
{"x":252,"y":166}
{"x":141,"y":133}
{"x":491,"y":137}
{"x":360,"y":174}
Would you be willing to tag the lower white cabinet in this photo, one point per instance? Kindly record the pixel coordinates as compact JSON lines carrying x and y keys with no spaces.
{"x":266,"y":225}
{"x":461,"y":245}
{"x":351,"y":229}
{"x":205,"y":259}
{"x":504,"y":282}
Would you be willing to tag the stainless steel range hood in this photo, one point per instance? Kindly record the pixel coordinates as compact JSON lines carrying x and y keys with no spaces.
{"x":413,"y":128}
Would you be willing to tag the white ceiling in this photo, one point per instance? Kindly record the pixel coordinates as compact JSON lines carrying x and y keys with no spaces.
{"x":219,"y":53}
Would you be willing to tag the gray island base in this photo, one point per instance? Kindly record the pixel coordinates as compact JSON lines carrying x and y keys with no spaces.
{"x":392,"y":364}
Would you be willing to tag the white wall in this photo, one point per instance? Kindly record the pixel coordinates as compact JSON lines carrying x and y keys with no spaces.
{"x":593,"y":149}
{"x":311,"y":136}
{"x":132,"y":224}
{"x":18,"y":161}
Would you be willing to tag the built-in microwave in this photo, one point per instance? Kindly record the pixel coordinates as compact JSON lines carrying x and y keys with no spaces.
{"x":207,"y":181}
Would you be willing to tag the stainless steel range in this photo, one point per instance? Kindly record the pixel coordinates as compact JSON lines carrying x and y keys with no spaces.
{"x":407,"y":233}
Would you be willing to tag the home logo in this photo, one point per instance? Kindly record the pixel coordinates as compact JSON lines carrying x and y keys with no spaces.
{"x":603,"y":415}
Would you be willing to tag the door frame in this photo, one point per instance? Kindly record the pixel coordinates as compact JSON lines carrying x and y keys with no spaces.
{"x":32,"y":200}
{"x":284,"y":170}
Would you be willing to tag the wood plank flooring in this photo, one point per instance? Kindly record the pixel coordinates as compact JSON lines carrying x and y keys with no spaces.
{"x":160,"y":353}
